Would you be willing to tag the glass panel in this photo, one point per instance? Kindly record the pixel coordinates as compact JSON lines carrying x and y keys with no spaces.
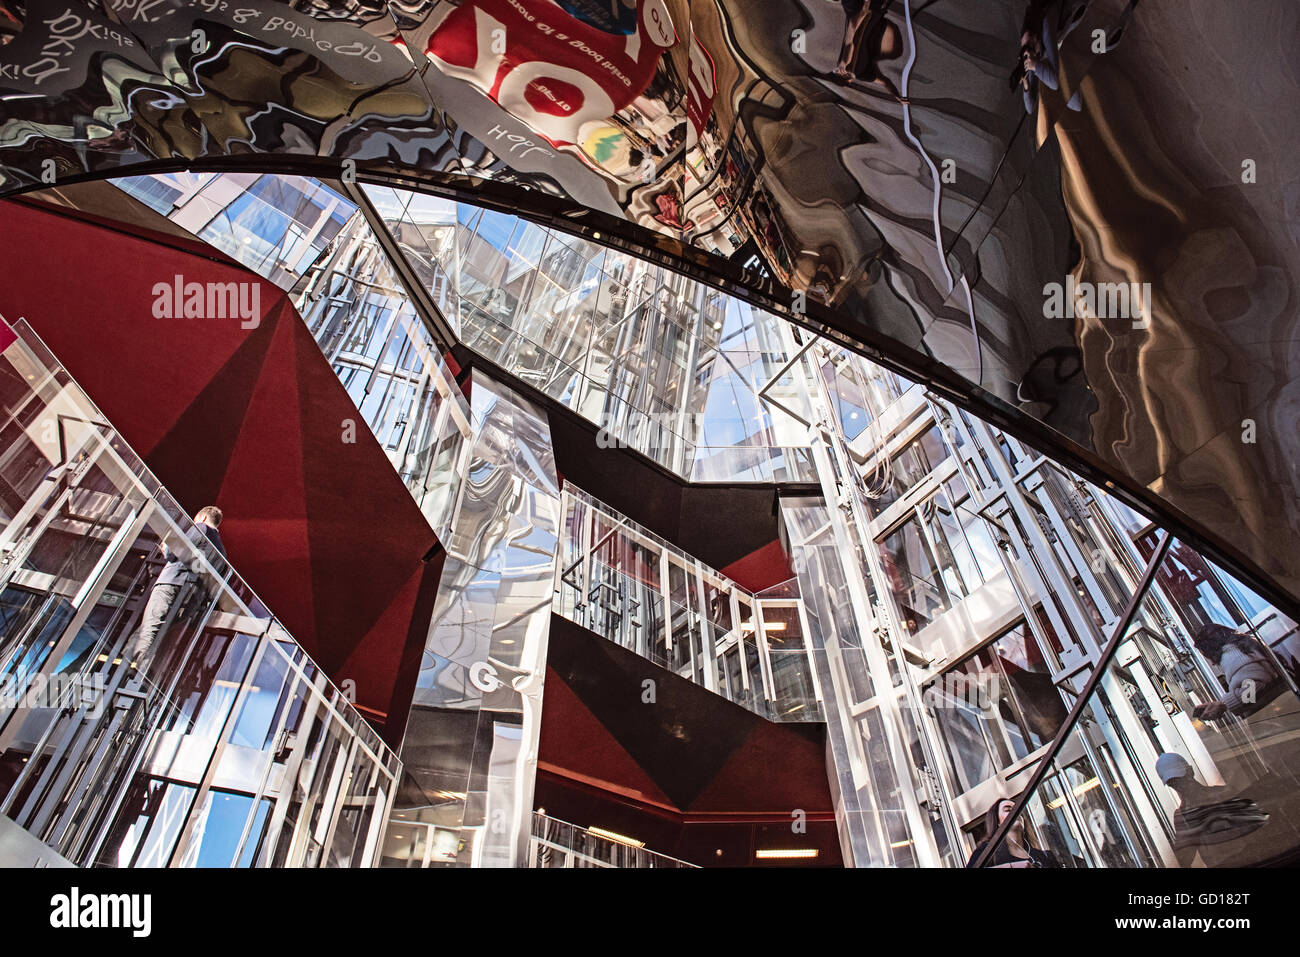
{"x":1026,"y":689}
{"x":164,"y":826}
{"x":1195,"y":764}
{"x":910,"y":569}
{"x":220,"y":825}
{"x":908,"y":467}
{"x":132,"y":638}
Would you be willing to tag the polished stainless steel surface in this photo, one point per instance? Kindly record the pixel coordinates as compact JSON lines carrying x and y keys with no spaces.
{"x":878,"y":162}
{"x":471,"y":745}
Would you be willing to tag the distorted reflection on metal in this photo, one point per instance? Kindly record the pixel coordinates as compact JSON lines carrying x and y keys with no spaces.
{"x":471,"y":744}
{"x":219,"y":744}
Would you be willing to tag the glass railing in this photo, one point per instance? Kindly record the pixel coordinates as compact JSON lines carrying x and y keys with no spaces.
{"x":152,"y":711}
{"x":758,"y":464}
{"x":1185,"y":753}
{"x":392,"y":369}
{"x":626,"y":584}
{"x":623,"y":343}
{"x":556,"y":843}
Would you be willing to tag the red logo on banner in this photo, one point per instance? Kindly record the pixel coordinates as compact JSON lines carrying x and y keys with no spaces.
{"x":551,"y":70}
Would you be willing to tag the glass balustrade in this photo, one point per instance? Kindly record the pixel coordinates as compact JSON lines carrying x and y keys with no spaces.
{"x":630,"y":586}
{"x":205,"y":738}
{"x":556,"y":843}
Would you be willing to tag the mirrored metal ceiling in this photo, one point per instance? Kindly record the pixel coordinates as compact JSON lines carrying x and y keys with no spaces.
{"x":1074,"y":215}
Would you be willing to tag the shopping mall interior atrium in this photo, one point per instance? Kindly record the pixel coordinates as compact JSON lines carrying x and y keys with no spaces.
{"x":649,"y":433}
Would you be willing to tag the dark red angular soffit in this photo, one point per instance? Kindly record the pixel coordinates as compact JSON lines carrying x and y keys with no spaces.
{"x":251,"y":420}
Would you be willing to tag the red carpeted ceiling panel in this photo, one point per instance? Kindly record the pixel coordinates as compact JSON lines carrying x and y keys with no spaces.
{"x":576,"y":745}
{"x":774,"y":770}
{"x":251,"y":420}
{"x":761,"y":568}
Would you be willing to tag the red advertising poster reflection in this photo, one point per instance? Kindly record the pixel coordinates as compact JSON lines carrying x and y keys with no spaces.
{"x":555,"y":66}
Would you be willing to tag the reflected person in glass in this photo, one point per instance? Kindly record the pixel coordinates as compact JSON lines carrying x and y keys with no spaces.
{"x":1016,"y":850}
{"x":1252,"y":678}
{"x":1206,"y":815}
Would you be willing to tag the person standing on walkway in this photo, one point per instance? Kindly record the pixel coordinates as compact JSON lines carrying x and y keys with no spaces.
{"x":176,"y":574}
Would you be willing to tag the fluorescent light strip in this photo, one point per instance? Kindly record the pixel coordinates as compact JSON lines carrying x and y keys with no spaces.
{"x":772,"y":854}
{"x":615,"y":837}
{"x":1079,"y":791}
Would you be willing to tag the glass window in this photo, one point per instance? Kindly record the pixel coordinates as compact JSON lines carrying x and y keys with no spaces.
{"x":910,"y":466}
{"x":219,"y":828}
{"x":961,"y":575}
{"x":996,"y":707}
{"x":158,"y":823}
{"x":1247,"y":600}
{"x":262,"y":703}
{"x":1026,"y":690}
{"x":911,"y":570}
{"x":207,"y":687}
{"x":968,"y":727}
{"x":1193,"y":589}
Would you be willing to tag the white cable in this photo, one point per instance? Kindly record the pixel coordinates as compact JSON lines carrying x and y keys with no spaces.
{"x":934,"y":175}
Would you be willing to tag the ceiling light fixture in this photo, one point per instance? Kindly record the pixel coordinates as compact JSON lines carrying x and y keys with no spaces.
{"x":773,"y":854}
{"x":615,"y":837}
{"x":1079,"y":791}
